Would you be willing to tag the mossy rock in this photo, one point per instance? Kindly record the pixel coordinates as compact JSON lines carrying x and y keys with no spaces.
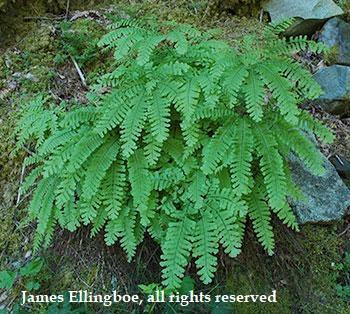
{"x":331,"y":55}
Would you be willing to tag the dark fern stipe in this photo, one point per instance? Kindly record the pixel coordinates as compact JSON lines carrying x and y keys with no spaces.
{"x":190,"y":140}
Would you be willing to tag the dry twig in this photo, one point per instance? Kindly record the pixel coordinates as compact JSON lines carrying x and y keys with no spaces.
{"x":55,"y":18}
{"x":20,"y":184}
{"x":67,"y":9}
{"x":80,"y":73}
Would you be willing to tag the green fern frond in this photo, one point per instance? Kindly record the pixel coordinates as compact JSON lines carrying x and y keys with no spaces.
{"x":96,"y":169}
{"x":99,"y":221}
{"x":124,"y":228}
{"x":214,"y":152}
{"x":113,"y":113}
{"x":308,"y":123}
{"x":36,"y":122}
{"x":114,"y":189}
{"x":233,"y":82}
{"x":78,"y":117}
{"x":212,"y":113}
{"x":45,"y":208}
{"x":281,"y":91}
{"x":176,"y":252}
{"x":130,"y":22}
{"x":167,"y":178}
{"x":84,"y":148}
{"x":66,"y":189}
{"x":187,"y":99}
{"x":44,"y":187}
{"x":226,"y":199}
{"x":132,"y":125}
{"x":141,"y":183}
{"x":191,"y":133}
{"x":128,"y":240}
{"x":301,"y":146}
{"x":112,"y":231}
{"x":55,"y":141}
{"x":294,"y":72}
{"x":221,"y":65}
{"x":260,"y":214}
{"x":286,"y":215}
{"x":279,"y":27}
{"x":254,"y":96}
{"x":153,"y":149}
{"x":197,"y":188}
{"x":71,"y":215}
{"x":50,"y":228}
{"x":230,"y":231}
{"x":159,"y":116}
{"x":205,"y":247}
{"x":179,"y":40}
{"x":146,"y":47}
{"x":271,"y":166}
{"x":174,"y":68}
{"x":240,"y":165}
{"x":31,"y":178}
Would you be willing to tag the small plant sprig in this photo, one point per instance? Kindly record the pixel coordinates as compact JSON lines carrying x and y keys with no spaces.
{"x":26,"y":275}
{"x":186,"y":139}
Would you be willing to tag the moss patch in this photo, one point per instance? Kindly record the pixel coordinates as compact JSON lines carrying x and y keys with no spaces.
{"x":331,"y":56}
{"x":303,"y":271}
{"x":241,"y":7}
{"x":345,"y":5}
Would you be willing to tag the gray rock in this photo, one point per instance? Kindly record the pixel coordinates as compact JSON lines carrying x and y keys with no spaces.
{"x":336,"y":35}
{"x":341,"y":165}
{"x":311,"y":14}
{"x":326,"y":197}
{"x":335,"y":82}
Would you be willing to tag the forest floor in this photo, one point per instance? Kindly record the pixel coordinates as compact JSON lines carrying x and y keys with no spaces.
{"x":307,"y":266}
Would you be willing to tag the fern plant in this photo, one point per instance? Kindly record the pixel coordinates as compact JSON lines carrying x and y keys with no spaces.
{"x":186,"y":139}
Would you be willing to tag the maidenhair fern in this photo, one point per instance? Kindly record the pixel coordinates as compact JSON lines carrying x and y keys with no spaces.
{"x":186,"y":139}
